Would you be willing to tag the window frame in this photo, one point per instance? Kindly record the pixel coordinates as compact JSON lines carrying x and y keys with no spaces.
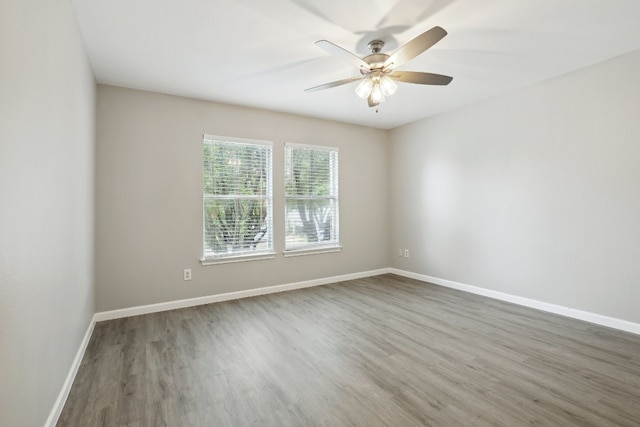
{"x":334,"y":172}
{"x":209,"y":257}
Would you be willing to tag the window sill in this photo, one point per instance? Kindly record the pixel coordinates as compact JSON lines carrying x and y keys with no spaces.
{"x":311,"y":251}
{"x":237,"y":258}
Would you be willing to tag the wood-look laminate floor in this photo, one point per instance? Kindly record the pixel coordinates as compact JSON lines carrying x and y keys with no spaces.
{"x":381,"y":351}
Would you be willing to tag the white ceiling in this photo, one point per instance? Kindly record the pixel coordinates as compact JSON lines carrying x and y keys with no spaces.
{"x":261,"y":53}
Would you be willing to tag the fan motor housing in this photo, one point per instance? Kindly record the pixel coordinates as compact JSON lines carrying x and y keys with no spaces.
{"x":375,"y":60}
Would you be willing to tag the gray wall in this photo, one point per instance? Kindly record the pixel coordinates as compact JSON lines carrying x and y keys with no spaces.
{"x":149,"y":197}
{"x":535,"y":193}
{"x":47,"y":108}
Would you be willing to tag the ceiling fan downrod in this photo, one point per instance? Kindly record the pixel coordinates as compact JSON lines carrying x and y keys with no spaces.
{"x":375,"y":46}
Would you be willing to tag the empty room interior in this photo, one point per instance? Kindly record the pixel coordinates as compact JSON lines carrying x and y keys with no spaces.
{"x":301,"y":213}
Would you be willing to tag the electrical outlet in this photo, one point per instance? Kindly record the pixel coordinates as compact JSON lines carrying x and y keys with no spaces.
{"x":187,"y":274}
{"x":406,"y":253}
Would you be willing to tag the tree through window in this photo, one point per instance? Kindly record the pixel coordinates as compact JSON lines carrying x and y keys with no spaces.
{"x":237,"y":197}
{"x":311,"y":197}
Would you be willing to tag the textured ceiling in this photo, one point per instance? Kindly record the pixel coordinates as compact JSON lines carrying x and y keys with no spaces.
{"x":261,"y":53}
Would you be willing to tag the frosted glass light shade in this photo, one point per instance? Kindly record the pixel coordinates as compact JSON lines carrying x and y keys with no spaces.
{"x":377,"y":96}
{"x":364,"y":88}
{"x":388,"y":86}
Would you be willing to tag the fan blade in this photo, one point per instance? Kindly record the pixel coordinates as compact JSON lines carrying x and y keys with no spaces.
{"x":334,"y":84}
{"x":415,"y":47}
{"x":336,"y":50}
{"x":421,"y":78}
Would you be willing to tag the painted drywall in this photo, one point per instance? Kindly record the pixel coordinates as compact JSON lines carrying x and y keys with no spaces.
{"x":47,"y":129}
{"x":149,"y":197}
{"x":535,"y":193}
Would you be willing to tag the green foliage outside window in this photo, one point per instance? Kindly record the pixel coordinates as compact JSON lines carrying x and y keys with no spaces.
{"x":236,"y":197}
{"x":311,"y":196}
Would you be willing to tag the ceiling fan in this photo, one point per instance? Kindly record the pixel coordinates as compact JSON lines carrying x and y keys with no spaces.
{"x":378,"y":76}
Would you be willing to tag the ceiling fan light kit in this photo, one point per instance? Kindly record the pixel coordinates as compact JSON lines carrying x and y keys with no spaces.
{"x":364,"y":88}
{"x":388,"y":86}
{"x":378,"y":79}
{"x":378,"y":86}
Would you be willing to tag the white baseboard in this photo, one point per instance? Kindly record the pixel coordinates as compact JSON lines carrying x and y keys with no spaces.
{"x":190,"y":302}
{"x":66,"y":387}
{"x":586,"y":316}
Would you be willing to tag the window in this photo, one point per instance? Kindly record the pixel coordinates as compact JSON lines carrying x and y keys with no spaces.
{"x":311,"y":198}
{"x":237,"y":199}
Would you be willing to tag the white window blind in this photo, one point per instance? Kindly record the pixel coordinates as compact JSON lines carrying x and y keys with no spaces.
{"x":311,"y":197}
{"x":237,"y":198}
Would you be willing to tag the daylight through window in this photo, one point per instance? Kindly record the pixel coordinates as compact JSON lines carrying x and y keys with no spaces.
{"x":311,"y":197}
{"x":237,"y":198}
